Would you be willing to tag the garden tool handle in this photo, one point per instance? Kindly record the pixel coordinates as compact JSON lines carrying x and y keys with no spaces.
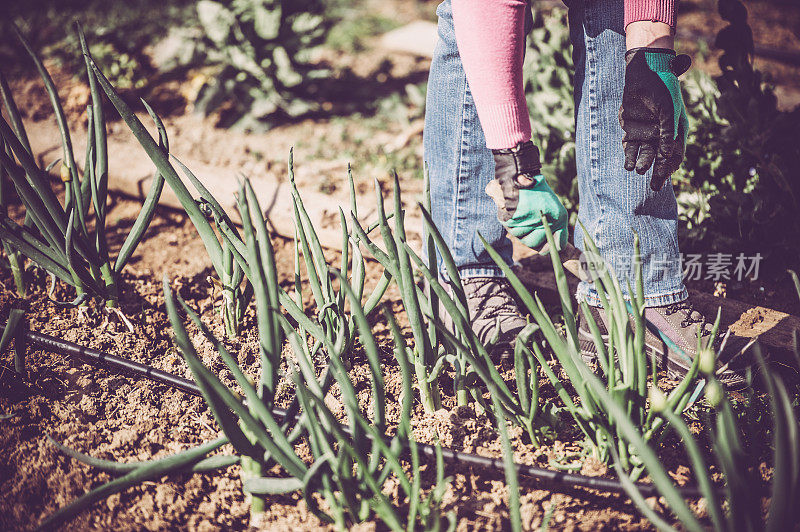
{"x":570,"y":258}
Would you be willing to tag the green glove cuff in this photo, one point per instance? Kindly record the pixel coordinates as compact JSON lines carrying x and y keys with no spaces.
{"x":526,"y":222}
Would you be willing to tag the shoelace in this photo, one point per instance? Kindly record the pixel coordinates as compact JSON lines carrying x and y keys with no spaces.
{"x":691,"y":316}
{"x":503,"y":302}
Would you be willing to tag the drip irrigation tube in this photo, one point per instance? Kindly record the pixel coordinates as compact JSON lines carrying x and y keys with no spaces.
{"x":95,"y":357}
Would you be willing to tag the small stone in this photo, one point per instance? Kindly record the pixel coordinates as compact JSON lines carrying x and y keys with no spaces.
{"x":206,"y":526}
{"x":123,"y":437}
{"x":146,"y":504}
{"x":207,"y":508}
{"x":113,"y":501}
{"x":652,"y":502}
{"x":701,"y":509}
{"x":88,"y":405}
{"x":165,"y":495}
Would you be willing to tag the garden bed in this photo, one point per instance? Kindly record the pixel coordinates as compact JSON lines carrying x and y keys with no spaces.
{"x":122,"y":418}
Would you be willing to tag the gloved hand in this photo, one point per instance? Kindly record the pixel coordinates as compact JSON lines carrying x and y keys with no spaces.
{"x":522,"y":195}
{"x":652,"y":113}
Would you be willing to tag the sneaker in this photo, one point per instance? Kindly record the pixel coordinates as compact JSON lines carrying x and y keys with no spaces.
{"x":492,"y":305}
{"x":678,"y":322}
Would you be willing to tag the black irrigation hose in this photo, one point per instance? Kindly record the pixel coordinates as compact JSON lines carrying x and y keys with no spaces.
{"x":96,"y":357}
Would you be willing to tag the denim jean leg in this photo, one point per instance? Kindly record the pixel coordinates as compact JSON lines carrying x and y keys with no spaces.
{"x":459,"y":164}
{"x":615,"y":203}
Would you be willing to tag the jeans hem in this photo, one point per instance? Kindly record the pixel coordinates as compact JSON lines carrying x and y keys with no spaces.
{"x":588,"y":293}
{"x":482,"y":271}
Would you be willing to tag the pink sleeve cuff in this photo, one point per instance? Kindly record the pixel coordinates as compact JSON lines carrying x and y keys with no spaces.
{"x":652,"y":10}
{"x":505,"y":125}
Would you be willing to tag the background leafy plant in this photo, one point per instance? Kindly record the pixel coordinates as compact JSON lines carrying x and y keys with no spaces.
{"x":741,"y":163}
{"x":353,"y":26}
{"x":262,"y":50}
{"x":119,"y":33}
{"x":547,"y":79}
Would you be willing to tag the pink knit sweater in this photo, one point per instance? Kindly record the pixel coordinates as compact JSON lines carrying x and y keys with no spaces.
{"x":490,"y":39}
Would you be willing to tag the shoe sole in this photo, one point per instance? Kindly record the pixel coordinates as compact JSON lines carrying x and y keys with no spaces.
{"x":657,"y":354}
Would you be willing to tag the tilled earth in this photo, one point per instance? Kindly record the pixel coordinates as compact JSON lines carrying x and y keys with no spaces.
{"x":117,"y":417}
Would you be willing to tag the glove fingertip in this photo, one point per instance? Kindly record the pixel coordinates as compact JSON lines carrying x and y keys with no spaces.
{"x":657,"y":182}
{"x":535,"y":240}
{"x":680,"y":64}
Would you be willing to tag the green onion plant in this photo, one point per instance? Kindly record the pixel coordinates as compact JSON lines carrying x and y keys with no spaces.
{"x":439,"y":344}
{"x":395,"y":257}
{"x":130,"y":474}
{"x":206,"y":214}
{"x":737,"y":504}
{"x":56,"y":236}
{"x":622,"y":360}
{"x":16,"y":261}
{"x":335,"y":328}
{"x":512,"y":479}
{"x":358,"y":458}
{"x":465,"y":352}
{"x":332,"y":330}
{"x":352,"y":458}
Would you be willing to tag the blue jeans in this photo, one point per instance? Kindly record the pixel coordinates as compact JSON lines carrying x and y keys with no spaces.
{"x":613,"y":202}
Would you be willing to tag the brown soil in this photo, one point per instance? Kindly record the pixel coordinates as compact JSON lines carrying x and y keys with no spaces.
{"x":117,"y":417}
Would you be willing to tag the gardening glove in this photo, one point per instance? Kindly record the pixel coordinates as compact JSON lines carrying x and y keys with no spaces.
{"x":652,"y":113}
{"x":522,"y":202}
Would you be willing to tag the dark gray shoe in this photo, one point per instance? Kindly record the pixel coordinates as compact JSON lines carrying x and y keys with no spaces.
{"x":492,"y":306}
{"x":679,"y":323}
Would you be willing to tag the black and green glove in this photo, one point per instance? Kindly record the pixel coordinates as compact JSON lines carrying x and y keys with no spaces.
{"x":652,"y":113}
{"x":521,"y":202}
